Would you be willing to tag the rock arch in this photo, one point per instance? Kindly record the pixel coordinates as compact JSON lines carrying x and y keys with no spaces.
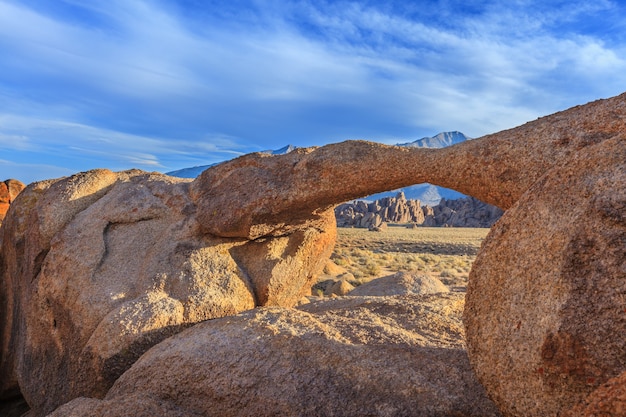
{"x":272,"y":195}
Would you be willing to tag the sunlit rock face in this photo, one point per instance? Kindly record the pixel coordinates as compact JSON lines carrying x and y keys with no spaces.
{"x":358,"y":356}
{"x":271,"y":195}
{"x":545,"y":303}
{"x":101,"y":266}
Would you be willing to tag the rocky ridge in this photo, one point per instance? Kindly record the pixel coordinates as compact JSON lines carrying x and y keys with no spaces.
{"x":100,"y":268}
{"x":465,"y":212}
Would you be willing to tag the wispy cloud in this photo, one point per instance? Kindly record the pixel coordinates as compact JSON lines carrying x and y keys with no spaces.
{"x":160,"y":84}
{"x":60,"y":142}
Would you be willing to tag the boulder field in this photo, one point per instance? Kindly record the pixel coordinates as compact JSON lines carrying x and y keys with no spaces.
{"x":101,"y":268}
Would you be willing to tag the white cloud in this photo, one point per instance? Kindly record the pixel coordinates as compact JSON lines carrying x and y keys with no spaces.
{"x":14,"y":141}
{"x":117,"y":150}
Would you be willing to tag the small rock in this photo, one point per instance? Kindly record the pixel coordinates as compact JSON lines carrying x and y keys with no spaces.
{"x":340,"y":288}
{"x":400,"y":283}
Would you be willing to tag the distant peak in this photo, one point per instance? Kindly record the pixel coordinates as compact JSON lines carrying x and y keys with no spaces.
{"x":440,"y":140}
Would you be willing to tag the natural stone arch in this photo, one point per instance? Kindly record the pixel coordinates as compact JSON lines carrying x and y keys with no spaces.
{"x":273,"y":195}
{"x":567,"y":162}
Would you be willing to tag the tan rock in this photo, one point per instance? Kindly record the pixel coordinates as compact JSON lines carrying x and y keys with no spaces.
{"x":545,"y":310}
{"x":135,"y":256}
{"x":348,"y":357}
{"x":332,"y":269}
{"x":389,"y":209}
{"x":400,"y":283}
{"x":340,"y":288}
{"x":380,"y":228}
{"x":101,"y":266}
{"x":297,"y":258}
{"x":463,"y":212}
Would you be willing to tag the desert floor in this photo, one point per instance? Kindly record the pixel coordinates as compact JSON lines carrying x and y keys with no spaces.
{"x":446,"y":253}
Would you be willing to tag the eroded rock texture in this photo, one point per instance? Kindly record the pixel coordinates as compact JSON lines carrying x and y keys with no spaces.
{"x":545,"y":311}
{"x":608,"y":400}
{"x":400,"y":283}
{"x":362,"y":356}
{"x":276,"y":194}
{"x":100,"y":266}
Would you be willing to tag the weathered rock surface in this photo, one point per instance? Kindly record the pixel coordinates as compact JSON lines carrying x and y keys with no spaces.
{"x":340,"y":287}
{"x":331,"y":269}
{"x":609,"y":400}
{"x":9,"y":190}
{"x":389,"y":209}
{"x":545,"y":311}
{"x":100,"y":266}
{"x":400,"y":283}
{"x":392,"y":356}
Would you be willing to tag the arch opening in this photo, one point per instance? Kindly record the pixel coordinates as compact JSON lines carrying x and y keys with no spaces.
{"x":391,"y":235}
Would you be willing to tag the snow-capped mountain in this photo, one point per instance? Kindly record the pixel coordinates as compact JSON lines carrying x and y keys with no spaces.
{"x":440,"y":140}
{"x":193,"y":172}
{"x":428,"y":194}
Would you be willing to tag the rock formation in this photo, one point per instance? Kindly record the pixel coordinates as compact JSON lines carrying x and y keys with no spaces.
{"x":389,"y":209}
{"x":361,"y":356}
{"x":9,"y":190}
{"x":464,"y":212}
{"x":340,"y":287}
{"x":99,"y":267}
{"x":545,"y":310}
{"x":498,"y":169}
{"x":277,"y":194}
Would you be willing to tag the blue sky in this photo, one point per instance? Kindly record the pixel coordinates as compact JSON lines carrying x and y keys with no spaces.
{"x":166,"y":84}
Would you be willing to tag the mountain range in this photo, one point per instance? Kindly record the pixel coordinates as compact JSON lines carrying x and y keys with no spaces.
{"x":440,"y":140}
{"x":428,"y":194}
